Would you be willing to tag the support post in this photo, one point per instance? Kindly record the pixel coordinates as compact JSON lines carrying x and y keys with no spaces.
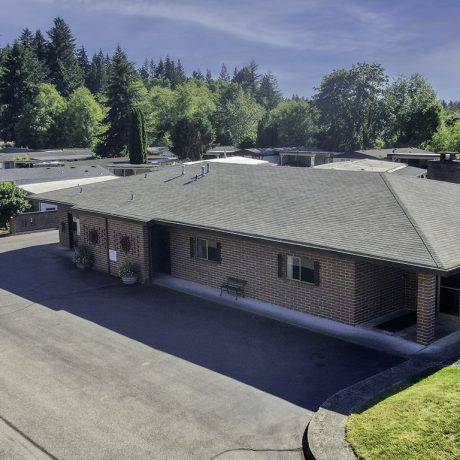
{"x":426,"y":308}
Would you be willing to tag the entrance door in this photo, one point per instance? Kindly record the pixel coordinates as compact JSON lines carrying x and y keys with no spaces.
{"x":162,"y":254}
{"x":449,"y":296}
{"x":70,"y":226}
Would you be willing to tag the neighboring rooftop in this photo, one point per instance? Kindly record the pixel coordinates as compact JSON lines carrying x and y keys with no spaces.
{"x":382,"y":154}
{"x":369,"y":165}
{"x":375,"y":215}
{"x":40,"y":180}
{"x":35,"y":175}
{"x":46,"y":155}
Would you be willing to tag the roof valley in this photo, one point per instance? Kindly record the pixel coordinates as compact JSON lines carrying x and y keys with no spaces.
{"x":417,"y":229}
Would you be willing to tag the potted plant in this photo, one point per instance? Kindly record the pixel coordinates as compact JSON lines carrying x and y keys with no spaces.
{"x":129,"y":273}
{"x":83,"y":257}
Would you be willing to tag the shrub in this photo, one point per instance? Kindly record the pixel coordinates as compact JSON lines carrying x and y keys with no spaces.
{"x":128,"y":269}
{"x":83,"y":256}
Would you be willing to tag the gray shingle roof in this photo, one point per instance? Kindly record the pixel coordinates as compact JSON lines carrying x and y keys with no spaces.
{"x":380,"y":216}
{"x":37,"y":175}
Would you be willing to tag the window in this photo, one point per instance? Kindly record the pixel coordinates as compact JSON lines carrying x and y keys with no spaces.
{"x":208,"y":249}
{"x":300,"y":269}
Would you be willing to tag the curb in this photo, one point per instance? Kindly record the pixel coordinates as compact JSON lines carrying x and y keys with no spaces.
{"x":324,"y":437}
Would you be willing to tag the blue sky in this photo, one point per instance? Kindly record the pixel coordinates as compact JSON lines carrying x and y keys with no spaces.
{"x":300,"y":41}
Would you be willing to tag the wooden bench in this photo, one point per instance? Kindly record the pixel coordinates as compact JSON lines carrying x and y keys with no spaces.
{"x":234,"y":285}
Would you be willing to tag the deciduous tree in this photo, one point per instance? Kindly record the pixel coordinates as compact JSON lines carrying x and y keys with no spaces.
{"x":42,"y":122}
{"x":13,"y":200}
{"x":352,"y":107}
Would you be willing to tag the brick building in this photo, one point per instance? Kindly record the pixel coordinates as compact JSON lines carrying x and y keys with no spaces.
{"x":345,"y":246}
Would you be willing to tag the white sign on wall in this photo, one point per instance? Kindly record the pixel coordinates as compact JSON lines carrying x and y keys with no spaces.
{"x":112,"y":255}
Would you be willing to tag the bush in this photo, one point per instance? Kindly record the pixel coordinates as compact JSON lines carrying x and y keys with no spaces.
{"x":83,"y":256}
{"x":128,"y":269}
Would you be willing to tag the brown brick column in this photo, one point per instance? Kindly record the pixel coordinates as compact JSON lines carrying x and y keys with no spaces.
{"x":426,"y":308}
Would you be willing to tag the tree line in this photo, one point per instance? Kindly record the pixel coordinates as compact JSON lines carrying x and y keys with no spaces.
{"x":53,"y":95}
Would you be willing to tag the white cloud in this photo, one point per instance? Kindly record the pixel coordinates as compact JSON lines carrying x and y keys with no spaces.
{"x":311,"y":25}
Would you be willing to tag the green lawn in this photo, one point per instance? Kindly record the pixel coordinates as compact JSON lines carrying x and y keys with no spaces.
{"x":421,"y":422}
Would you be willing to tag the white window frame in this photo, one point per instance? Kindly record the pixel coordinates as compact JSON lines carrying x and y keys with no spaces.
{"x":197,"y":252}
{"x":299,"y":259}
{"x":77,"y":224}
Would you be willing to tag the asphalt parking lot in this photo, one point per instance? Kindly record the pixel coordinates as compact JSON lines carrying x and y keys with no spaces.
{"x":94,"y":369}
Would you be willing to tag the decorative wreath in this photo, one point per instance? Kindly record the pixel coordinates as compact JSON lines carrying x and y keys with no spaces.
{"x":93,"y":236}
{"x":125,"y":243}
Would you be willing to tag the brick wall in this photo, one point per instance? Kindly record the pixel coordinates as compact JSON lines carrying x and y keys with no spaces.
{"x":379,"y":290}
{"x":135,"y":232}
{"x":138,"y":253}
{"x":448,"y":171}
{"x":411,"y":290}
{"x":257,"y":262}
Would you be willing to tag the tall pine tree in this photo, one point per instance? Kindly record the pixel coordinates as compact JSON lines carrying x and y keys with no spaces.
{"x":120,"y":103}
{"x":98,"y":73}
{"x":85,"y":66}
{"x":65,"y":72}
{"x":18,"y":87}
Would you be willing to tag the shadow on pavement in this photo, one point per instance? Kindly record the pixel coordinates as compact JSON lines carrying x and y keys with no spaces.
{"x":291,"y":363}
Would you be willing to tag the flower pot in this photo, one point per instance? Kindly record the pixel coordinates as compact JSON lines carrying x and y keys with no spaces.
{"x":129,"y":279}
{"x":82,"y":266}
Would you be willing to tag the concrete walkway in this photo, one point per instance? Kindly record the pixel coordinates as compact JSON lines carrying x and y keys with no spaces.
{"x":358,"y":335}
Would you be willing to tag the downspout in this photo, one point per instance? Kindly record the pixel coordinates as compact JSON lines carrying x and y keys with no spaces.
{"x":107,"y":238}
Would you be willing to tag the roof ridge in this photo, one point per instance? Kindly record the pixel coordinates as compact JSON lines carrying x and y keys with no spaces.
{"x":412,"y":221}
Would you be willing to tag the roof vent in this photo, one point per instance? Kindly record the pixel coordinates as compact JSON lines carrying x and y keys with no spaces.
{"x":207,"y":168}
{"x":183,"y":170}
{"x":145,"y":176}
{"x":81,"y":190}
{"x":203,"y":170}
{"x":132,"y":197}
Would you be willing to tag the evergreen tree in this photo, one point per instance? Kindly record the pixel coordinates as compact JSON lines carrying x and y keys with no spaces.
{"x":268,"y":93}
{"x":137,"y":147}
{"x":26,"y":38}
{"x":181,"y":78}
{"x":198,"y":75}
{"x":152,"y":69}
{"x":170,"y":68}
{"x":85,"y":66}
{"x":65,"y":72}
{"x":40,"y":48}
{"x":208,"y":76}
{"x":18,"y":87}
{"x":224,"y":76}
{"x":119,"y":103}
{"x":144,"y":73}
{"x":247,"y":77}
{"x":98,"y":73}
{"x":160,"y":70}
